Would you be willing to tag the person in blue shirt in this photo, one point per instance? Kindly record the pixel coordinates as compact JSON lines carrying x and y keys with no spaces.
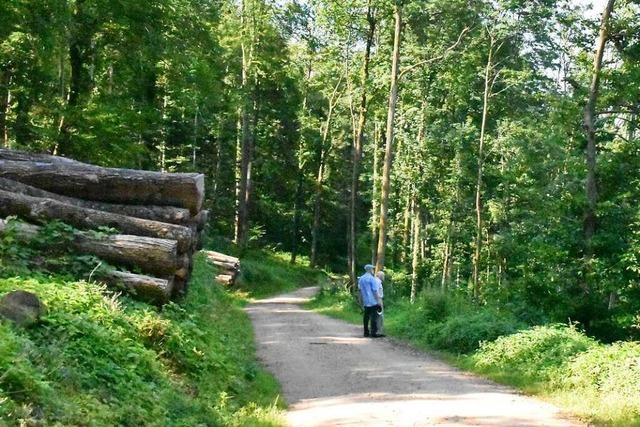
{"x":371,"y":301}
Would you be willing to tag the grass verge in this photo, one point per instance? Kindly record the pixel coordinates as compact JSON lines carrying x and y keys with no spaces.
{"x":266,"y":273}
{"x":596,"y":382}
{"x":100,"y":360}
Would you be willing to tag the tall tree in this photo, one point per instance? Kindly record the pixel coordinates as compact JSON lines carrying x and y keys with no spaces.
{"x":590,"y":218}
{"x":247,"y":22}
{"x":388,"y":154}
{"x":359,"y":140}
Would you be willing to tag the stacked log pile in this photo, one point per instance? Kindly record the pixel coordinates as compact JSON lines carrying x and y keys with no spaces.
{"x":159,"y":215}
{"x":229,"y":267}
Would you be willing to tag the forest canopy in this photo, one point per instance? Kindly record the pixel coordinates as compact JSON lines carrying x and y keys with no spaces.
{"x":489,"y":148}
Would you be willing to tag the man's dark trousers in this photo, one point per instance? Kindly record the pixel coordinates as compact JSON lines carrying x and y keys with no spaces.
{"x":370,"y":317}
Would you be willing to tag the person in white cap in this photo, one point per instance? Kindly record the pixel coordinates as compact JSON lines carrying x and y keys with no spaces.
{"x":371,"y":301}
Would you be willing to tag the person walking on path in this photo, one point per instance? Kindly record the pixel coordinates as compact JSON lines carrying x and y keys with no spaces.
{"x":370,"y":300}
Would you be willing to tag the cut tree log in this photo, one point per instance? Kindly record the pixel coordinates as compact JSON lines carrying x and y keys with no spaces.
{"x":24,"y":156}
{"x":217,"y":256}
{"x":167,"y":214}
{"x":225,"y":265}
{"x":150,"y":255}
{"x":226,"y":279}
{"x":153,"y":256}
{"x":127,"y":186}
{"x":40,"y":209}
{"x":229,"y":266}
{"x":145,"y":288}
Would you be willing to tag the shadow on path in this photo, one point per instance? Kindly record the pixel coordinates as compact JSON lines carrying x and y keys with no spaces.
{"x":332,"y":376}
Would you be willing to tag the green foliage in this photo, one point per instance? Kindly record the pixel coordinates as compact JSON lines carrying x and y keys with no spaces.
{"x":166,"y":86}
{"x":465,"y":333}
{"x":607,"y":376}
{"x":97,"y":360}
{"x":49,"y":251}
{"x":597,"y":382}
{"x":264,"y":273}
{"x":536,"y":355}
{"x":337,"y":299}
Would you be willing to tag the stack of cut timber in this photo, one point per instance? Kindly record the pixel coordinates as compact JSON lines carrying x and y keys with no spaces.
{"x":159,"y":215}
{"x":229,"y":267}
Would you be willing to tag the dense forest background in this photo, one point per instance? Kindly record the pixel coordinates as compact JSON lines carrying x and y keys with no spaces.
{"x":472,"y":146}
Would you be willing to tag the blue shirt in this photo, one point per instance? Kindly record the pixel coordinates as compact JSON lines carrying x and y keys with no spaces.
{"x":368,"y":289}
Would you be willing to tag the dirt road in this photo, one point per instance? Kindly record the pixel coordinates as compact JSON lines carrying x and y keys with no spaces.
{"x":331,"y":376}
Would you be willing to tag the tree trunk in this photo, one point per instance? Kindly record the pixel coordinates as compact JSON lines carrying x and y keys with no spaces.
{"x":167,"y":214}
{"x":386,"y":171}
{"x":229,"y":266}
{"x":299,"y":200}
{"x":485,"y":112}
{"x":590,"y":217}
{"x":22,"y":124}
{"x":5,"y":100}
{"x":83,"y":27}
{"x":153,"y":256}
{"x":299,"y":197}
{"x":247,"y":136}
{"x":316,"y":206}
{"x":407,"y":228}
{"x":446,"y":265}
{"x":24,"y":156}
{"x":39,"y":209}
{"x":374,"y":194}
{"x":214,"y":257}
{"x":80,"y":53}
{"x":110,"y":185}
{"x":145,"y":288}
{"x":194,"y":148}
{"x":236,"y":230}
{"x":358,"y":143}
{"x":416,"y":225}
{"x":324,"y":151}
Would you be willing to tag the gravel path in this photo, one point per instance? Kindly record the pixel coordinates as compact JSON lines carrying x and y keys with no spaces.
{"x":331,"y":376}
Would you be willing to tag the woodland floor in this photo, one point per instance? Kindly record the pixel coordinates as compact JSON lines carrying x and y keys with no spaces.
{"x":332,"y":376}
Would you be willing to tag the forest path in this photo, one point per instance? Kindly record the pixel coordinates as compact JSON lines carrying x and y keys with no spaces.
{"x":332,"y":376}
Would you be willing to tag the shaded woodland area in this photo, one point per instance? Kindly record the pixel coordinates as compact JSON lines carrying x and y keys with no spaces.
{"x":489,"y":148}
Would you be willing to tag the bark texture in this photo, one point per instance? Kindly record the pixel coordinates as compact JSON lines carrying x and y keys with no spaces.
{"x":153,"y":256}
{"x":590,"y":218}
{"x":167,"y":214}
{"x":146,"y":288}
{"x":110,"y":185}
{"x":40,"y":209}
{"x":357,"y":146}
{"x":388,"y":155}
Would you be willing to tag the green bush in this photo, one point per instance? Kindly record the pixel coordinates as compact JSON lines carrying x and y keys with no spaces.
{"x":533,"y":355}
{"x":264,"y":273}
{"x":610,"y":374}
{"x":431,"y":306}
{"x":464,"y":333}
{"x":598,"y":382}
{"x":96,"y":359}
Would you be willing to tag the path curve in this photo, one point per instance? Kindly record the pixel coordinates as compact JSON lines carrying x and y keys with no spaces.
{"x":331,"y":376}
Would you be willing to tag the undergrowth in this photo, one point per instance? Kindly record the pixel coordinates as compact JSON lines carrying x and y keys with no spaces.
{"x":597,"y":382}
{"x":269,"y":272}
{"x":97,"y":359}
